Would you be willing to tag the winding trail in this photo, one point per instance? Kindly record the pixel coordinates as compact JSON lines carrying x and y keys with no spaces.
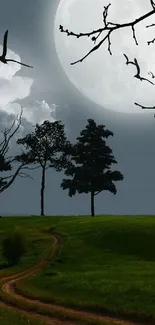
{"x":8,"y":287}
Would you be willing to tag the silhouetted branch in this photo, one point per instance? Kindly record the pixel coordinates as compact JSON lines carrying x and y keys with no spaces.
{"x":145,"y":107}
{"x":109,"y":27}
{"x":105,"y":33}
{"x":24,"y":175}
{"x":5,"y":186}
{"x":152,"y":41}
{"x":135,"y":63}
{"x":30,"y":168}
{"x":8,"y":136}
{"x":97,"y":193}
{"x":6,"y":162}
{"x":19,"y":172}
{"x":152,"y":4}
{"x":151,"y":73}
{"x":4,"y":178}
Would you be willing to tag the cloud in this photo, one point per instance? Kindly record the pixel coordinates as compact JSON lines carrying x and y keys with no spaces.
{"x":37,"y":111}
{"x":12,"y":87}
{"x":12,"y":90}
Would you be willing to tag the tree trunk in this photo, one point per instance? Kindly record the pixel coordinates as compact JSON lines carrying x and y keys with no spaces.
{"x":42,"y":191}
{"x":92,"y":204}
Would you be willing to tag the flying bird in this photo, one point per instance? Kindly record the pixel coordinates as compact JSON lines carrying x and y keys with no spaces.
{"x":3,"y":56}
{"x":137,"y":75}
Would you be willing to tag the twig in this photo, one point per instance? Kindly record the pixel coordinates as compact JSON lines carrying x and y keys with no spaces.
{"x":151,"y":73}
{"x":152,"y":4}
{"x":137,"y":75}
{"x":145,"y":107}
{"x":4,"y":145}
{"x":24,"y":175}
{"x":109,"y":27}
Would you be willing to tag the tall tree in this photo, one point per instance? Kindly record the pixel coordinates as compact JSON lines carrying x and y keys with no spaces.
{"x":102,"y":34}
{"x":90,"y":162}
{"x":7,"y":162}
{"x":44,"y":147}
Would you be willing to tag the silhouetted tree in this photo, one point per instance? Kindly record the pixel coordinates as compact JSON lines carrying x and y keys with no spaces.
{"x":7,"y":162}
{"x":90,"y":162}
{"x":44,"y":147}
{"x":100,"y":35}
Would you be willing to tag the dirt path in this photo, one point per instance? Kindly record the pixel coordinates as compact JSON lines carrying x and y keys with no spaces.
{"x":9,"y":288}
{"x":31,"y":314}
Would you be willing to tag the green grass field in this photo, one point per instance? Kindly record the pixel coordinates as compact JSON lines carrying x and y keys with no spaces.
{"x":8,"y":317}
{"x":106,"y":263}
{"x":38,"y":243}
{"x":37,"y":247}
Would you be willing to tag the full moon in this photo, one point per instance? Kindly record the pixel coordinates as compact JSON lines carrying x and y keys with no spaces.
{"x":103,"y":78}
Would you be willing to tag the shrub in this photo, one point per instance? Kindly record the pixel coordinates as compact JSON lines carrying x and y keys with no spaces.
{"x":13,"y":248}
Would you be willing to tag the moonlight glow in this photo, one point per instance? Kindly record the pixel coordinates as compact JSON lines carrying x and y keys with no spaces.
{"x":106,"y":79}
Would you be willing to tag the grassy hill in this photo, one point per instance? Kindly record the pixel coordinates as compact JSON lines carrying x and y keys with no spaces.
{"x":106,"y":264}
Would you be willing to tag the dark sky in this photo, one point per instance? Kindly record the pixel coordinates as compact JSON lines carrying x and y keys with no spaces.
{"x":134,"y":136}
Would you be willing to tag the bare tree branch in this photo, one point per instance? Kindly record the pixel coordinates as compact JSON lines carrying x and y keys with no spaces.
{"x":151,"y":73}
{"x":97,"y":193}
{"x":145,"y":107}
{"x":150,"y":25}
{"x":8,"y":136}
{"x":152,"y":4}
{"x":109,"y":27}
{"x":152,"y":41}
{"x":6,"y":161}
{"x":30,"y":168}
{"x":107,"y":30}
{"x":24,"y":175}
{"x":3,"y":188}
{"x":4,"y":178}
{"x":19,"y":172}
{"x":137,"y":75}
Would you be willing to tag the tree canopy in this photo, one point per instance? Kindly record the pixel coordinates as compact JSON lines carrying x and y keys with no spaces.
{"x":44,"y":148}
{"x":90,"y":162}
